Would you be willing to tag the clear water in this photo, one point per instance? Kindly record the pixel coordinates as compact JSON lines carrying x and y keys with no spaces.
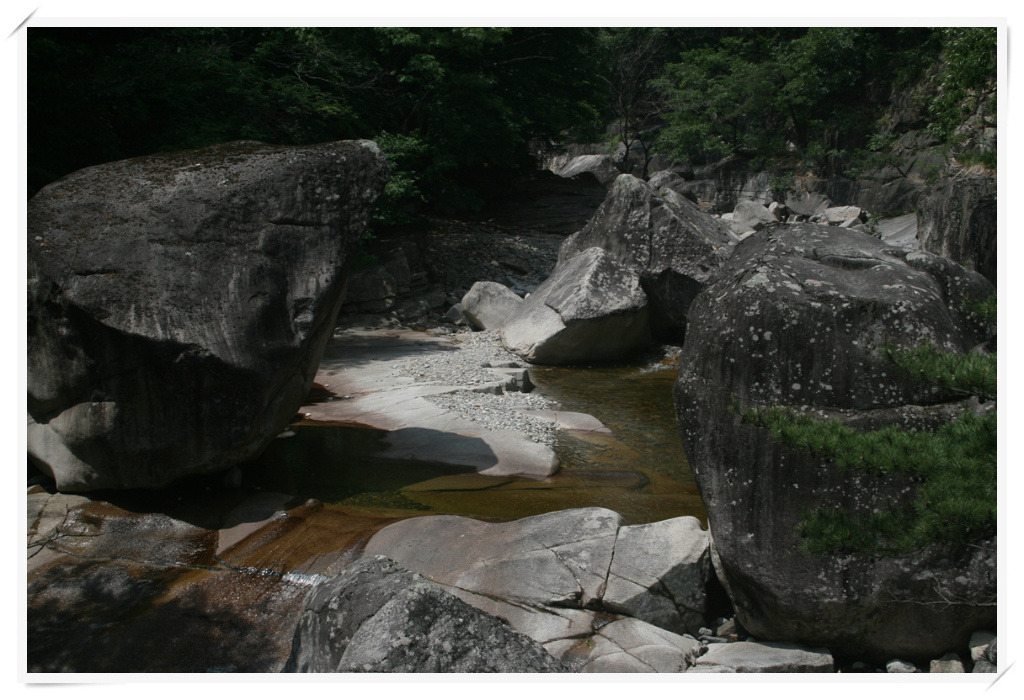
{"x":639,"y":471}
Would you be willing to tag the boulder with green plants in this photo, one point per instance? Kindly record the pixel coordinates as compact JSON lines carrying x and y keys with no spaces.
{"x":836,"y":398}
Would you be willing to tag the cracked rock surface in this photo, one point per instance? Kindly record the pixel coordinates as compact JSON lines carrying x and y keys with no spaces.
{"x":561,"y":577}
{"x":375,"y":616}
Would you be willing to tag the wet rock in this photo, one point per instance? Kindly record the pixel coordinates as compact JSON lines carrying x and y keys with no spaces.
{"x":763,"y":657}
{"x":179,"y":304}
{"x":898,"y":666}
{"x":488,"y":304}
{"x":591,"y":308}
{"x":376,"y":617}
{"x":627,"y":646}
{"x":666,"y":239}
{"x":797,"y":318}
{"x":659,"y":574}
{"x":949,"y":663}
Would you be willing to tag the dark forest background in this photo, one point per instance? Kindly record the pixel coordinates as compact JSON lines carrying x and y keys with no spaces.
{"x":463,"y":111}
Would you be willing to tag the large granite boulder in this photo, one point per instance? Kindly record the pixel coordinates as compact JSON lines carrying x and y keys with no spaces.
{"x":375,"y":616}
{"x":179,"y":304}
{"x":797,"y":318}
{"x":665,"y":237}
{"x":957,"y":220}
{"x":591,"y":309}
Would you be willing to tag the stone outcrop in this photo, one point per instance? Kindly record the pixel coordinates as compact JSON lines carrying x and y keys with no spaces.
{"x":797,"y":318}
{"x":179,"y":304}
{"x":957,"y":220}
{"x":671,"y":244}
{"x":658,"y":574}
{"x":487,"y":305}
{"x":582,"y":559}
{"x":591,"y":308}
{"x":375,"y":616}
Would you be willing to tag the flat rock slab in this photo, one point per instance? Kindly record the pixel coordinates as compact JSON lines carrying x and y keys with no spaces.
{"x":627,"y":646}
{"x":582,"y":558}
{"x":899,"y":230}
{"x":763,"y":657}
{"x":559,"y":558}
{"x":361,"y":368}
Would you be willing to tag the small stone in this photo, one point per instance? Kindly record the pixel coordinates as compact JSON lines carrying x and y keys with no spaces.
{"x":950,"y":663}
{"x":898,"y":666}
{"x":984,"y":666}
{"x":979,"y":642}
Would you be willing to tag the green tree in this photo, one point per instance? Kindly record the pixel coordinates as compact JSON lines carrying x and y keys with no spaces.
{"x":459,"y":105}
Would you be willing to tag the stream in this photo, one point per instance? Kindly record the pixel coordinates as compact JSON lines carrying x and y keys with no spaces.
{"x":639,"y":470}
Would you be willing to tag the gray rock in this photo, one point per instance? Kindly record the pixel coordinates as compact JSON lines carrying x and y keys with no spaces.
{"x":949,"y":663}
{"x":898,"y":666}
{"x":840,"y":215}
{"x":671,"y":244}
{"x":796,"y":318}
{"x":560,"y":558}
{"x":763,"y":657}
{"x":659,"y":574}
{"x":627,"y":646}
{"x":979,"y":643}
{"x":983,"y":666}
{"x":179,"y":304}
{"x":753,"y":215}
{"x":455,"y":315}
{"x":376,"y":617}
{"x":899,"y":230}
{"x":488,"y":304}
{"x":957,"y":220}
{"x":591,"y":308}
{"x":990,"y":652}
{"x":602,"y":167}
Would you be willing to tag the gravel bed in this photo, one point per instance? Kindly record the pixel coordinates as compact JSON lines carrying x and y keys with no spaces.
{"x":466,"y":367}
{"x":500,"y":412}
{"x":462,"y":367}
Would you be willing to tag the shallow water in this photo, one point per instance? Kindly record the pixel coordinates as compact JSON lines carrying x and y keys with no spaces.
{"x":639,"y":471}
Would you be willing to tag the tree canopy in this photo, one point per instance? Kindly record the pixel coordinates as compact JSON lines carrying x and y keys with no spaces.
{"x":456,"y":109}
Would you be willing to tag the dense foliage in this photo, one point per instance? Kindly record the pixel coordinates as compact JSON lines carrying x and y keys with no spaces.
{"x":455,"y":108}
{"x":824,"y":95}
{"x":458,"y":109}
